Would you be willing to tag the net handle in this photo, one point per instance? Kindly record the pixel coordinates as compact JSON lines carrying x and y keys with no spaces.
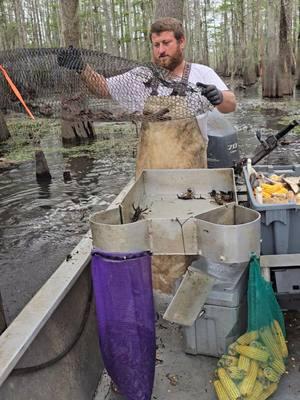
{"x":15,"y":90}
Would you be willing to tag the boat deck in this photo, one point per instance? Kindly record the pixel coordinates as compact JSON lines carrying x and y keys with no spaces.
{"x":184,"y":377}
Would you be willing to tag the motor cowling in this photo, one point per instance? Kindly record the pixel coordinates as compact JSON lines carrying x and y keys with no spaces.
{"x":223,"y":149}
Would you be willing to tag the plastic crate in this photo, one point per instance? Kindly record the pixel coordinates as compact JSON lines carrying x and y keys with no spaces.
{"x":287,"y":280}
{"x":280,"y":223}
{"x":223,"y":318}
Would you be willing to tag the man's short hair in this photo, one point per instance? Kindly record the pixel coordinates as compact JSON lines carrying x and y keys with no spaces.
{"x":167,"y":24}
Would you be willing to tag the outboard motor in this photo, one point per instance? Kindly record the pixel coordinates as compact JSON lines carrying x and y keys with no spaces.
{"x":223,"y":151}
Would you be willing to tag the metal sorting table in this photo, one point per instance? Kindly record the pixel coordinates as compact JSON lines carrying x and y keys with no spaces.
{"x":171,"y":226}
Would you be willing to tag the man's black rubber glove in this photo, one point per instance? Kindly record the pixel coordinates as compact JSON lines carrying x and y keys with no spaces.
{"x":70,"y":58}
{"x":213,"y":95}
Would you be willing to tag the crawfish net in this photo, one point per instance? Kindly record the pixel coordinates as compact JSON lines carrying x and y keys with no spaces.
{"x":126,"y":319}
{"x":120,"y":94}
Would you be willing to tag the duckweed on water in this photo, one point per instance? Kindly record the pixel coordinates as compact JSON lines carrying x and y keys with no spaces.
{"x":287,"y":119}
{"x":23,"y":130}
{"x":25,"y":134}
{"x":112,"y":138}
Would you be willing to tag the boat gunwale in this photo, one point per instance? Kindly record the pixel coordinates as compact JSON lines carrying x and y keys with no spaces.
{"x":19,"y":335}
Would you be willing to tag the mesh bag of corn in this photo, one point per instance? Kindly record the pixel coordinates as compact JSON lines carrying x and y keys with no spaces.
{"x":254,"y":364}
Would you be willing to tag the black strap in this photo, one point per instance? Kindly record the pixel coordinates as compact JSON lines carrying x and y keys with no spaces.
{"x":180,"y":89}
{"x":186,"y":73}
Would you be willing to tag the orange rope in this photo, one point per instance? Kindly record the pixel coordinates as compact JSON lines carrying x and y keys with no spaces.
{"x":15,"y":90}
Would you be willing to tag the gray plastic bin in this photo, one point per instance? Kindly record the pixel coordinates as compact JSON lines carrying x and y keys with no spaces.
{"x":287,"y":280}
{"x":224,"y":318}
{"x":280,"y":223}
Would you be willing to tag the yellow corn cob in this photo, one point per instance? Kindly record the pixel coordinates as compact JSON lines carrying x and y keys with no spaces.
{"x":280,"y":191}
{"x":252,"y":352}
{"x":230,"y":387}
{"x":227,"y":361}
{"x":271,"y":375}
{"x":275,"y":178}
{"x":283,"y":190}
{"x":270,"y":342}
{"x":268,"y":392}
{"x":265,"y":364}
{"x":244,"y":363}
{"x":247,"y":337}
{"x":280,"y":339}
{"x":248,"y":383}
{"x":266,"y":187}
{"x":260,"y":373}
{"x":257,"y":390}
{"x":231,"y":349}
{"x":278,"y":366}
{"x":220,"y":391}
{"x":258,"y":345}
{"x":235,"y":373}
{"x":262,"y":379}
{"x":232,"y":361}
{"x":266,"y":383}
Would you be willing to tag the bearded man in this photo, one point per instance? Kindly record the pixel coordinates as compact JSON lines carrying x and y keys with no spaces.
{"x":177,"y":142}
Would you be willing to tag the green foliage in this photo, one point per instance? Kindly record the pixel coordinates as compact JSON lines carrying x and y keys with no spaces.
{"x":225,"y":6}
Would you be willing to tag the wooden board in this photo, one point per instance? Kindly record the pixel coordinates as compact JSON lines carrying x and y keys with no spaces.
{"x":293,"y":182}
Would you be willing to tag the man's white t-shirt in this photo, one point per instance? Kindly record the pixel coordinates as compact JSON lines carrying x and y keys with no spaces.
{"x":130,"y":91}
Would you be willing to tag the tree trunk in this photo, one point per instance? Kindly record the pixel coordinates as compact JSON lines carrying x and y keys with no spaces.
{"x":128,"y":32}
{"x":70,"y":22}
{"x":122,"y":29}
{"x":169,"y":8}
{"x":235,"y":61}
{"x":4,"y":35}
{"x":116,"y":46}
{"x":285,"y":47}
{"x":33,"y":23}
{"x":19,"y":15}
{"x":108,"y":26}
{"x":146,"y":18}
{"x":226,"y":46}
{"x":249,"y":56}
{"x":73,"y":129}
{"x":270,"y":81}
{"x":41,"y":167}
{"x":298,"y":54}
{"x":277,"y":77}
{"x":4,"y":132}
{"x":36,"y":12}
{"x":136,"y":49}
{"x":205,"y":55}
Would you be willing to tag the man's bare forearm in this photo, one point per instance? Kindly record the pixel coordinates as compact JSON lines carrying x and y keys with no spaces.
{"x":95,"y":82}
{"x":229,"y":102}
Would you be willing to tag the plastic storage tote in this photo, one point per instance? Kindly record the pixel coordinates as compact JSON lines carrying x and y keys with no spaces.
{"x":280,"y":223}
{"x":223,"y":318}
{"x":287,"y":280}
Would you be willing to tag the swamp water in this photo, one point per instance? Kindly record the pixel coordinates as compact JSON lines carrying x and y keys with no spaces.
{"x":40,"y":224}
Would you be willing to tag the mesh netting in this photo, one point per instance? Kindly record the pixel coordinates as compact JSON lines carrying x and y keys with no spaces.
{"x":86,"y":84}
{"x":126,"y":319}
{"x":263,"y":308}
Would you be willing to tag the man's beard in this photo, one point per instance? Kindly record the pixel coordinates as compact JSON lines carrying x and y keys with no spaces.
{"x":170,"y":62}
